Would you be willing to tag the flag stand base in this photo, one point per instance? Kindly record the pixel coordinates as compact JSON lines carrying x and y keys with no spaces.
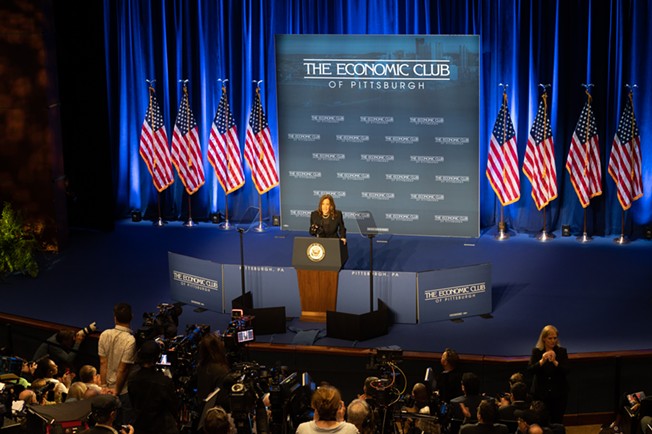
{"x":159,"y":223}
{"x":261,"y":227}
{"x":502,"y":234}
{"x":622,"y":239}
{"x":545,"y":236}
{"x":584,"y":238}
{"x":190,"y":223}
{"x":225,"y":226}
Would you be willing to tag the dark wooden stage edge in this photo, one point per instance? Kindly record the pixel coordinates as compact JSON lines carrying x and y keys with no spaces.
{"x":493,"y":369}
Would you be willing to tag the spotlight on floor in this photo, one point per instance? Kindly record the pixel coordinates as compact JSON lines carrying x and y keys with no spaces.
{"x":647,"y":232}
{"x":136,"y":216}
{"x":565,"y":231}
{"x":216,"y":218}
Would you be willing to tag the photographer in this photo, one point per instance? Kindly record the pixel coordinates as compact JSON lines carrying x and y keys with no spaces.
{"x":62,"y":347}
{"x":104,"y":409}
{"x":45,"y":374}
{"x":152,"y":394}
{"x":212,"y":365}
{"x":422,"y":404}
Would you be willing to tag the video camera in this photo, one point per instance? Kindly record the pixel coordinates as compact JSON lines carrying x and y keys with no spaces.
{"x":239,"y":331}
{"x":162,"y":323}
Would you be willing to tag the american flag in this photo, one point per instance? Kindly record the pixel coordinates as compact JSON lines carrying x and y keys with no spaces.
{"x":625,"y":160}
{"x":154,"y":145}
{"x":259,"y":151}
{"x":539,"y":162}
{"x":224,"y":148}
{"x":583,"y":162}
{"x":186,"y":150}
{"x":502,"y":164}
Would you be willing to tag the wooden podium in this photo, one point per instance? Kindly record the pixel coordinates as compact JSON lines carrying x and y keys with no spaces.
{"x":318,"y":262}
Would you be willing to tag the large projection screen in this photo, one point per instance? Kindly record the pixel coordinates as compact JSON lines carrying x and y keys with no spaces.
{"x":386,"y":124}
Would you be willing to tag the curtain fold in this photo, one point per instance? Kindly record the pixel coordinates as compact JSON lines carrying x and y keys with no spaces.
{"x":523,"y":43}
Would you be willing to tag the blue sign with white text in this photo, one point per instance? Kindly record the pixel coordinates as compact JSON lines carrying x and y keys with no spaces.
{"x":454,"y":293}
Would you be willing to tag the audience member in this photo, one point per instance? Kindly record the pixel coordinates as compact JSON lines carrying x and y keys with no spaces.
{"x":91,"y":393}
{"x":76,"y":391}
{"x":527,"y":419}
{"x":104,"y":409}
{"x":45,"y":373}
{"x":27,"y":372}
{"x":516,"y":377}
{"x":217,"y":421}
{"x":422,"y":406}
{"x":116,"y":348}
{"x":465,"y":407}
{"x":62,"y":347}
{"x":517,"y":400}
{"x":535,"y":429}
{"x":212,"y":365}
{"x":450,"y":379}
{"x":360,"y":414}
{"x":487,"y":414}
{"x":329,"y":411}
{"x":549,"y":366}
{"x":506,"y":398}
{"x":152,"y":394}
{"x":88,"y":378}
{"x":28,"y":396}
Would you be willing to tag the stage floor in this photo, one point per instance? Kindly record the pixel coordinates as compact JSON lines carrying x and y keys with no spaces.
{"x":598,"y":294}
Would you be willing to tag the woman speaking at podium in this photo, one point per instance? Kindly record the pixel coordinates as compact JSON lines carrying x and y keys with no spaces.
{"x":326,"y":221}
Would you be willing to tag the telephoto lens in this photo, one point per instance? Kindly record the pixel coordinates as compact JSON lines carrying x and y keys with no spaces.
{"x":89,"y":329}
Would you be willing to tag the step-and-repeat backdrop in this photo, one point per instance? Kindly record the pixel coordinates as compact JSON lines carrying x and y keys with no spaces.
{"x":386,"y":124}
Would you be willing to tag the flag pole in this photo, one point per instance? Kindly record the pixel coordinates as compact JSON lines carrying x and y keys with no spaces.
{"x":502,"y":227}
{"x":585,"y":237}
{"x":189,"y":223}
{"x":226,"y":225}
{"x":622,"y":239}
{"x":544,"y":235}
{"x":160,"y":222}
{"x":502,"y":234}
{"x":261,"y":226}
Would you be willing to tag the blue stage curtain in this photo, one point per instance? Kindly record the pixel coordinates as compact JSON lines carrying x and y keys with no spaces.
{"x":524,"y":43}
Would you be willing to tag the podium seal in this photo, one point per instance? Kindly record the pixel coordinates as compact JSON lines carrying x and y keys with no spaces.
{"x":316,"y":252}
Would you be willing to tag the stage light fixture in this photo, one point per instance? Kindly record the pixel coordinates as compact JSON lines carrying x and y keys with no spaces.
{"x":565,"y":231}
{"x":136,"y":216}
{"x":647,"y":233}
{"x":216,"y":218}
{"x":276,"y":220}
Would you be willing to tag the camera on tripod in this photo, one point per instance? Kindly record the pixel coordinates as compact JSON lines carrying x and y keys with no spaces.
{"x":164,"y":323}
